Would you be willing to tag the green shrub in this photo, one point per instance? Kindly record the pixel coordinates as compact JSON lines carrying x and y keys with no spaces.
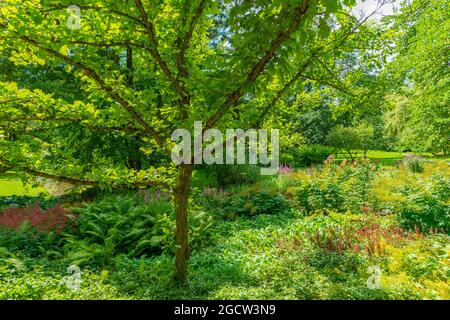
{"x":357,"y":185}
{"x":32,"y":232}
{"x":318,"y":196}
{"x":261,"y":202}
{"x":223,"y":175}
{"x":129,"y":225}
{"x":427,"y":208}
{"x":27,"y":241}
{"x":441,"y":187}
{"x":245,"y":202}
{"x":44,"y":201}
{"x":415,"y":165}
{"x":232,"y":175}
{"x":344,"y":187}
{"x":425,"y":212}
{"x":43,"y":280}
{"x":307,"y":155}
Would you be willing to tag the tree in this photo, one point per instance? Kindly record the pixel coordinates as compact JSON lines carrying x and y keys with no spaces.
{"x":315,"y":124}
{"x":420,"y":76}
{"x":364,"y":134}
{"x":350,"y":140}
{"x":146,"y":68}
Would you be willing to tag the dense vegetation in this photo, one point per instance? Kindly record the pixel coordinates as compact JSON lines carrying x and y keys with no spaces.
{"x":300,"y":235}
{"x":90,"y":97}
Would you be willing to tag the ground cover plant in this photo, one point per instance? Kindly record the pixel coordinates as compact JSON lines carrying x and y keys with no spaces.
{"x":282,"y":247}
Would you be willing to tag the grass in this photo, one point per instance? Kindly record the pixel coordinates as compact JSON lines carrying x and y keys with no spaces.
{"x":17,"y":188}
{"x":389,"y":158}
{"x":436,"y":157}
{"x":386,"y":158}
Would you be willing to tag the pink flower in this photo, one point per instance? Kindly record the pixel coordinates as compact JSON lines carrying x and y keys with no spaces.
{"x":285,"y":169}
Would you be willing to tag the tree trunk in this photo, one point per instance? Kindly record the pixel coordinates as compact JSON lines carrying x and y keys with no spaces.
{"x":181,"y":196}
{"x":134,"y":157}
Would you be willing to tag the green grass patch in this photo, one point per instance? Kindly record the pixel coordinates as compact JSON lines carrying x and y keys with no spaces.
{"x":386,"y":158}
{"x":17,"y":188}
{"x":389,"y":158}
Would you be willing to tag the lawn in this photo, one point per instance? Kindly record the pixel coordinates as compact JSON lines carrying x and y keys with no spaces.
{"x":389,"y":158}
{"x":386,"y":158}
{"x":17,"y":188}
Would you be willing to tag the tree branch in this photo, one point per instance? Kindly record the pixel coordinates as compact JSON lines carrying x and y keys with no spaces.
{"x":154,"y":50}
{"x":43,"y":119}
{"x":329,"y":83}
{"x":184,"y":41}
{"x":14,"y":100}
{"x":110,"y":44}
{"x":282,"y":92}
{"x":130,"y":130}
{"x":91,"y":73}
{"x":60,"y":6}
{"x":299,"y":74}
{"x":280,"y":38}
{"x":72,"y":180}
{"x":183,"y":73}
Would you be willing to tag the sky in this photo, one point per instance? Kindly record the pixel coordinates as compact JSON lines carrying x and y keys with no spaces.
{"x":369,"y":6}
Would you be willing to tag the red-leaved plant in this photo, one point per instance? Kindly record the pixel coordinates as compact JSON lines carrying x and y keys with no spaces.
{"x":52,"y":219}
{"x":348,"y":238}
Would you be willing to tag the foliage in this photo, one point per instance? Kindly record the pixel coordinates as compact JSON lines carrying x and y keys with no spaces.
{"x":96,"y":105}
{"x":350,"y":139}
{"x":415,"y":164}
{"x":335,"y":187}
{"x":43,"y":280}
{"x":320,"y":196}
{"x":307,"y":155}
{"x":232,"y":175}
{"x":42,"y":201}
{"x":426,"y":213}
{"x":250,"y":201}
{"x":32,"y":231}
{"x":418,"y":116}
{"x":27,"y":241}
{"x":315,"y":124}
{"x":52,"y":219}
{"x":262,"y":257}
{"x":104,"y":98}
{"x":285,"y":255}
{"x":113,"y":225}
{"x":133,"y":225}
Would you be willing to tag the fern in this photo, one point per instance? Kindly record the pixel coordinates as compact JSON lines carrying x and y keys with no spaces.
{"x":120,"y":225}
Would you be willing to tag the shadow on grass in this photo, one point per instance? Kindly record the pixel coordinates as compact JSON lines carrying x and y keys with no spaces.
{"x":153,"y":278}
{"x":211,"y":266}
{"x":244,"y":261}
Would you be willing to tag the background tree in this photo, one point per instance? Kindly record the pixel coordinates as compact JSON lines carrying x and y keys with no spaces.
{"x":419,"y":73}
{"x":350,"y":140}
